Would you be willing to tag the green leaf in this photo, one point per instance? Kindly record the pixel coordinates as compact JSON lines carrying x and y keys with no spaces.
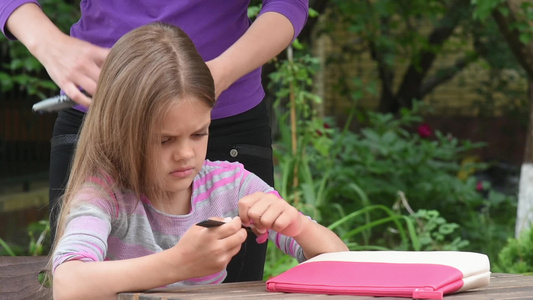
{"x":6,"y":248}
{"x":525,"y":38}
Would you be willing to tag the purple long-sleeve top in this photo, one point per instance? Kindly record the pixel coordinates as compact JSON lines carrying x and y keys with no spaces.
{"x":213,"y":26}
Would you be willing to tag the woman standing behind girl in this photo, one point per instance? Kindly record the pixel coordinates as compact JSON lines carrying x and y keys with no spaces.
{"x":140,"y":182}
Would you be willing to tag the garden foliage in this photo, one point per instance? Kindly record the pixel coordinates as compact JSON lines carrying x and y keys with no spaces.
{"x":517,"y":255}
{"x":387,"y":182}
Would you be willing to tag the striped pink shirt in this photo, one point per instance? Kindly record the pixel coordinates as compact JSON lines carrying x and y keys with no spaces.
{"x":114,"y":225}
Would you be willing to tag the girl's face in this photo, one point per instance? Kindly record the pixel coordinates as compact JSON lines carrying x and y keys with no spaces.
{"x":184,"y":135}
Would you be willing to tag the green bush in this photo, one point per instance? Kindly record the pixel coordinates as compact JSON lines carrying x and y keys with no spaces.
{"x":389,"y":156}
{"x":517,"y":255}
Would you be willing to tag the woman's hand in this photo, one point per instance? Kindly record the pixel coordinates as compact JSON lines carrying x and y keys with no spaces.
{"x":220,"y":75}
{"x":72,"y":64}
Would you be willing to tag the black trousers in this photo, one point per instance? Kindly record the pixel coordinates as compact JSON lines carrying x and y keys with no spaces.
{"x":245,"y":138}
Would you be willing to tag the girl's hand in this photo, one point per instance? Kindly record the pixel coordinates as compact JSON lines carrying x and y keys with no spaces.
{"x":209,"y":250}
{"x":263,"y":212}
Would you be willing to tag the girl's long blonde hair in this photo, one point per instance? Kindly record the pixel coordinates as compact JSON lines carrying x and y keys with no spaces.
{"x":146,"y":71}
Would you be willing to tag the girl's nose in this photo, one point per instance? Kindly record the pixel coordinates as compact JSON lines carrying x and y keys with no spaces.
{"x":183,"y":151}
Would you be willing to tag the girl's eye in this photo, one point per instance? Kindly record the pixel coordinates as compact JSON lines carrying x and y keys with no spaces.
{"x":199,"y":135}
{"x":164,"y":141}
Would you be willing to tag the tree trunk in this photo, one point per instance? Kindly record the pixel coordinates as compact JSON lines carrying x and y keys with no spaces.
{"x":524,"y":215}
{"x":524,"y":55}
{"x":412,"y":82}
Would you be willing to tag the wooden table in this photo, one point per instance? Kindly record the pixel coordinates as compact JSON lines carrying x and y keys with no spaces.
{"x":502,"y":286}
{"x":18,"y":280}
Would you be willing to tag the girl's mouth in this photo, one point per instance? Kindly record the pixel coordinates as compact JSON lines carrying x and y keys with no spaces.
{"x":182,"y":173}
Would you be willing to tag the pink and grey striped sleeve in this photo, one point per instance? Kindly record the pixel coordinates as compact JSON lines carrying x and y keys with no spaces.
{"x":87,"y":229}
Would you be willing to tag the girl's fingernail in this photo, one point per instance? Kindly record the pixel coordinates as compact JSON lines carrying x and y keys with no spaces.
{"x":228,"y":219}
{"x":262,"y":238}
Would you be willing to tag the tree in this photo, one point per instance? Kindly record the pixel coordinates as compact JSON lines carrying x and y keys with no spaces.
{"x":408,"y":40}
{"x":411,"y":32}
{"x":514,"y":18}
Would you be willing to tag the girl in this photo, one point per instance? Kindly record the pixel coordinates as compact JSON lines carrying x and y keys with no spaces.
{"x":140,"y":182}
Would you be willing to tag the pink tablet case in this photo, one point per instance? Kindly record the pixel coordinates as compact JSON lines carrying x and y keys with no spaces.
{"x":418,"y":275}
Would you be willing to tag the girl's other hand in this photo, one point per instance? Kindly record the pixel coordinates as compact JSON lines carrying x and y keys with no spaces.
{"x":263,"y":212}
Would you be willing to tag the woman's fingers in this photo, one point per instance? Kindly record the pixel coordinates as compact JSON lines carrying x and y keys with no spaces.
{"x":74,"y":64}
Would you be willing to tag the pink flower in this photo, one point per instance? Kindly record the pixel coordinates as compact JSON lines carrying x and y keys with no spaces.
{"x":479,"y":186}
{"x":424,"y":130}
{"x":319,"y":132}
